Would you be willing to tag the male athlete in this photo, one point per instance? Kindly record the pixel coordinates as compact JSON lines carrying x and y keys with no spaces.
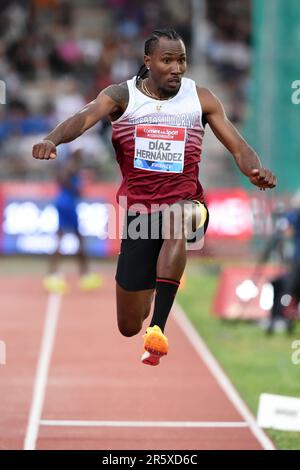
{"x":69,"y":193}
{"x":158,"y":120}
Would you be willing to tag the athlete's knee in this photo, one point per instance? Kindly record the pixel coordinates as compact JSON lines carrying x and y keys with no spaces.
{"x":129,"y":329}
{"x":192,"y":216}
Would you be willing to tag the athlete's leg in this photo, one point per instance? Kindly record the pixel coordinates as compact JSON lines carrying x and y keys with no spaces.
{"x":56,"y":256}
{"x":136,"y":274}
{"x":184,"y":217}
{"x":137,"y":270}
{"x":132,"y":309}
{"x":81,"y":256}
{"x":54,"y":282}
{"x":88,"y":281}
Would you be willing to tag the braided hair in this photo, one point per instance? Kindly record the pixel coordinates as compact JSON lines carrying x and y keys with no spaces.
{"x":150,"y":44}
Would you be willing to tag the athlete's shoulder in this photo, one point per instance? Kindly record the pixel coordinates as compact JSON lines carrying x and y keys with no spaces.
{"x":207,"y":98}
{"x":205,"y":92}
{"x":119,"y":93}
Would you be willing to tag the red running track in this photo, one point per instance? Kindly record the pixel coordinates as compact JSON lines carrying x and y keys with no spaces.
{"x":76,"y":383}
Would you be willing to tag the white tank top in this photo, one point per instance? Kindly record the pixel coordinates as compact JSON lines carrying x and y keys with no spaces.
{"x":158,"y":146}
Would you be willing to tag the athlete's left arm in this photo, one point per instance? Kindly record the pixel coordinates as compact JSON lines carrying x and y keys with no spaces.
{"x":245,"y":157}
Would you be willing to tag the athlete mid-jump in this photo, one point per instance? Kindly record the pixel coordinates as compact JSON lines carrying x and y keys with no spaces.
{"x":158,"y":120}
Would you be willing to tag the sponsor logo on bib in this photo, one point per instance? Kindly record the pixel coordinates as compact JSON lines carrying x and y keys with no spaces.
{"x":159,"y":148}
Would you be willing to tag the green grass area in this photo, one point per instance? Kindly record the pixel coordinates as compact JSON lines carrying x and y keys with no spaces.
{"x":254,"y":362}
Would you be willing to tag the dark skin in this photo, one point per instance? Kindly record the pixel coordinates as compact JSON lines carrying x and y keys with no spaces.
{"x":167,"y":65}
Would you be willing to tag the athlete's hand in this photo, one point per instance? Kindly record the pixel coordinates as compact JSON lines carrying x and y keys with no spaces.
{"x":263,"y":178}
{"x":44,"y":150}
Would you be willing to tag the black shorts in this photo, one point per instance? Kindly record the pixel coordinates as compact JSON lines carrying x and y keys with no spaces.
{"x":136,"y":269}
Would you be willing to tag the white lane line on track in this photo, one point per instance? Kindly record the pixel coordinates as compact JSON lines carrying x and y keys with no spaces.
{"x":215,"y":369}
{"x":144,"y":424}
{"x":39,"y":390}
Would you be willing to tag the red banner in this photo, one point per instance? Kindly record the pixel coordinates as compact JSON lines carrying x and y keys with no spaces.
{"x":230,"y":210}
{"x":244,"y":293}
{"x":230,"y":214}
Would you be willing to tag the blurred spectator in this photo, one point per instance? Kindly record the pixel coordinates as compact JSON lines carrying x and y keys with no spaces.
{"x":19,"y":122}
{"x":68,"y":175}
{"x":286,"y":287}
{"x":64,"y":53}
{"x":124,"y":63}
{"x":229,"y":49}
{"x":68,"y":100}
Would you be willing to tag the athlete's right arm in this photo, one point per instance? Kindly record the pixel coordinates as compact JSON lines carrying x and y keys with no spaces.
{"x":110,"y":102}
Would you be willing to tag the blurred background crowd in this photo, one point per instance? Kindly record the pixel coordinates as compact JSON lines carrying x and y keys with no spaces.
{"x":56,"y":55}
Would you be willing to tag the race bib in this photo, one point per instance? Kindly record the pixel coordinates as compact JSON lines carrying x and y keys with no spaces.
{"x":159,"y":148}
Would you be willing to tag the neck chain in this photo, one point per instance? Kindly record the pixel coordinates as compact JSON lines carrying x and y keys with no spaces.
{"x":148,"y":92}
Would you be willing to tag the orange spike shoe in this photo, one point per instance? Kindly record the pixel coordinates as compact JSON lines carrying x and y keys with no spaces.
{"x":155,"y":345}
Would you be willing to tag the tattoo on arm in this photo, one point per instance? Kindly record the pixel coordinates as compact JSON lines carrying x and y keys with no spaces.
{"x":118,"y":93}
{"x":76,"y":124}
